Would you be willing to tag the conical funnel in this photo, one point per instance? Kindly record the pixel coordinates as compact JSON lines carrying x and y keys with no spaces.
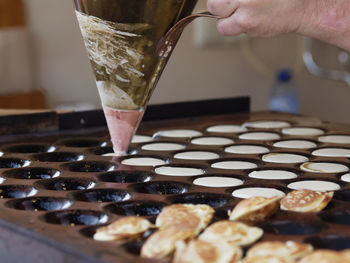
{"x":121,"y":38}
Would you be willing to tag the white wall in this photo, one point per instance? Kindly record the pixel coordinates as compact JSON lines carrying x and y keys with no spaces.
{"x":62,"y":68}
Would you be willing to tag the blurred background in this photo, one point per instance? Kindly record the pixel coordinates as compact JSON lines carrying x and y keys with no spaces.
{"x":43,"y":64}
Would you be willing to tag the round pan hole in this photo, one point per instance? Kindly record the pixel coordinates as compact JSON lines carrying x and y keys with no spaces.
{"x":30,"y":148}
{"x":161,"y":188}
{"x":143,"y":161}
{"x":218,"y":181}
{"x":341,"y":217}
{"x":342,"y":195}
{"x":124,"y":177}
{"x":333,"y":242}
{"x":66,"y":184}
{"x":32,"y":173}
{"x":17,"y":191}
{"x":211,"y":199}
{"x":82,"y":143}
{"x":102,"y":195}
{"x":139,"y":138}
{"x":76,"y":217}
{"x":227,"y":128}
{"x":293,"y":227}
{"x":40,"y":204}
{"x":133,"y":247}
{"x":136,"y":208}
{"x":58,"y":157}
{"x":89,"y":167}
{"x":108,"y":151}
{"x":13,"y":163}
{"x":89,"y":231}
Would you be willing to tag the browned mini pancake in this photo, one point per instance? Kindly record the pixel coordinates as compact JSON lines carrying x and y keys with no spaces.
{"x":255,"y":209}
{"x":162,"y":242}
{"x":289,"y":249}
{"x":190,"y":216}
{"x":306,"y":201}
{"x":201,"y":251}
{"x":235,"y":233}
{"x":123,"y":228}
{"x":267,"y":259}
{"x":325,"y":256}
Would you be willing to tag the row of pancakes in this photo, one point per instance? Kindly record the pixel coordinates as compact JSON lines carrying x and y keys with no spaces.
{"x":183,"y":231}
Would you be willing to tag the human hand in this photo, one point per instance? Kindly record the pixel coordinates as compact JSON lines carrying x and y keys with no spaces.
{"x":322,"y":19}
{"x":258,"y":17}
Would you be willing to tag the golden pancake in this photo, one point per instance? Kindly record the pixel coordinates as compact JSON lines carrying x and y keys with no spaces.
{"x":324,"y":256}
{"x":162,"y":242}
{"x":255,"y":209}
{"x":267,"y":259}
{"x":235,"y":233}
{"x":185,"y":216}
{"x":200,"y":251}
{"x":123,"y":228}
{"x":289,"y":249}
{"x":306,"y":201}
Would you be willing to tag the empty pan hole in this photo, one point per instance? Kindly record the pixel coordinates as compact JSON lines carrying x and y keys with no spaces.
{"x":214,"y":200}
{"x":89,"y":167}
{"x":333,"y":242}
{"x":343,"y":195}
{"x":102,"y":195}
{"x":133,"y":247}
{"x":76,"y":217}
{"x":30,"y":148}
{"x":341,"y":217}
{"x":17,"y":191}
{"x":83,"y":143}
{"x":66,"y":184}
{"x":32,"y":173}
{"x":162,"y":188}
{"x":58,"y":157}
{"x":136,"y":208}
{"x":13,"y":163}
{"x":40,"y":204}
{"x":293,"y":227}
{"x":124,"y":177}
{"x":89,"y":231}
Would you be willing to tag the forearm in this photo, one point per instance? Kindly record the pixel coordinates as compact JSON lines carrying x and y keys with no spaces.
{"x":327,"y":20}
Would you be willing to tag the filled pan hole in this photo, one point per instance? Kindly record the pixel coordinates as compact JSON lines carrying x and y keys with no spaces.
{"x":286,"y":227}
{"x":40,"y":204}
{"x":211,"y":199}
{"x":76,"y":217}
{"x":32,"y":173}
{"x":161,"y":188}
{"x":333,"y":242}
{"x":66,"y":184}
{"x":124,"y":177}
{"x":58,"y":157}
{"x":30,"y":148}
{"x":17,"y":191}
{"x":136,"y":208}
{"x":13,"y":163}
{"x":108,"y":151}
{"x":89,"y":166}
{"x":102,"y":195}
{"x":82,"y":143}
{"x":341,"y":217}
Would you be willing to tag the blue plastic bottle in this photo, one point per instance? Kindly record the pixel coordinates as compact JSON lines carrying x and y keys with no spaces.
{"x":284,"y":94}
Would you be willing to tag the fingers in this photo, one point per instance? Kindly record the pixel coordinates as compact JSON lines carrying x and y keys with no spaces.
{"x":222,"y":8}
{"x":229,"y":26}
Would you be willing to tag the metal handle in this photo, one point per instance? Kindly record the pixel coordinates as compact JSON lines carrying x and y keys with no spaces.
{"x":315,"y":69}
